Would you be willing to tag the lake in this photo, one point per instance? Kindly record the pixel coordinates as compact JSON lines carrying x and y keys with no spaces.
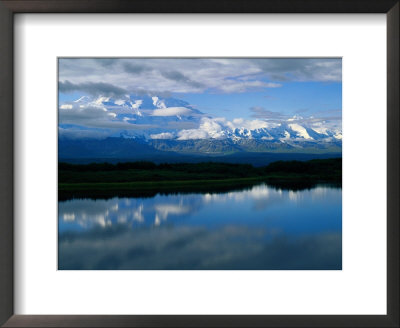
{"x":257,"y":228}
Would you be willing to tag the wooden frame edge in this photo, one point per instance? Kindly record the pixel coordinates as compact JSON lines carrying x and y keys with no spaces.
{"x":7,"y":10}
{"x":393,"y":167}
{"x":6,"y":165}
{"x":197,"y":321}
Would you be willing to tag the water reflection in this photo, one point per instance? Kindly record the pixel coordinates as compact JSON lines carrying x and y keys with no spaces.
{"x":256,"y":228}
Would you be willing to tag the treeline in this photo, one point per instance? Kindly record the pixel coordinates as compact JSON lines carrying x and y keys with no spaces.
{"x":322,"y":169}
{"x":314,"y":167}
{"x":95,"y":167}
{"x":145,"y":165}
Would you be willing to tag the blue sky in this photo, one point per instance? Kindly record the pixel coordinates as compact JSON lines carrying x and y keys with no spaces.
{"x":292,"y":98}
{"x":225,"y":88}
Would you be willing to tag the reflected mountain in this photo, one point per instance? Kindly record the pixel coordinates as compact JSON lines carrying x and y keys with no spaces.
{"x":216,"y":187}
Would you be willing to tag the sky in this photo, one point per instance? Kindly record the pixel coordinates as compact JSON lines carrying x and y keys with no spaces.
{"x":101,"y":94}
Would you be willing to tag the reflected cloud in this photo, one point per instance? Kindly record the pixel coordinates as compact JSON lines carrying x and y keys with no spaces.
{"x":69,"y":217}
{"x":260,"y":196}
{"x":229,"y":247}
{"x":294,"y":196}
{"x":138,"y":214}
{"x":88,"y":213}
{"x":319,"y":192}
{"x":164,"y":210}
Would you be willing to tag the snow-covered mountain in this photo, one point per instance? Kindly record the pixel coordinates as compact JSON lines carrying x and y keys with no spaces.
{"x":167,"y":123}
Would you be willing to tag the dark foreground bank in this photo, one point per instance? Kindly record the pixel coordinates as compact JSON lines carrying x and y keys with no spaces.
{"x":141,"y":179}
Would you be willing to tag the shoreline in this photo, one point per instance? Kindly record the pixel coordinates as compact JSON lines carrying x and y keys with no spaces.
{"x":151,"y":188}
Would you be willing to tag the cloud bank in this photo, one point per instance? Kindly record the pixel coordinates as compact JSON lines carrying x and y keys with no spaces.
{"x":191,"y":75}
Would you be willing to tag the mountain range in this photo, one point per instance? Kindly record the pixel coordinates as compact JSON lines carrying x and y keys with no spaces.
{"x":139,"y":125}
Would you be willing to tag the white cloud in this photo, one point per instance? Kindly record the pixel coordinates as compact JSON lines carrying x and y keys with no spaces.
{"x":243,"y":86}
{"x":192,"y":134}
{"x":163,"y":135}
{"x":209,"y":129}
{"x":66,"y":106}
{"x":137,"y":104}
{"x":171,"y":111}
{"x":158,"y":103}
{"x":99,"y":101}
{"x":250,"y":124}
{"x":74,"y":114}
{"x":212,"y":127}
{"x":119,"y":102}
{"x":94,"y":115}
{"x":80,"y":99}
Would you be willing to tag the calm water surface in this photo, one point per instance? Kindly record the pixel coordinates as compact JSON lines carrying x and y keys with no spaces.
{"x":257,"y":228}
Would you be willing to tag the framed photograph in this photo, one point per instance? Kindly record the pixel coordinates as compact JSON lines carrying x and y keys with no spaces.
{"x":213,"y":164}
{"x":193,"y":190}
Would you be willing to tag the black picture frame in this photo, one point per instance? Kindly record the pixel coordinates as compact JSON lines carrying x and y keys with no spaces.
{"x":10,"y":7}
